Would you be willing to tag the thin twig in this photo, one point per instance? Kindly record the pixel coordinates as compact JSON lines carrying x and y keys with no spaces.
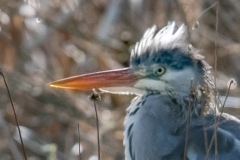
{"x":215,"y":67}
{"x":191,"y":96}
{"x":205,"y":135}
{"x":218,"y":118}
{"x":214,"y":138}
{"x":227,"y":94}
{"x":14,"y":112}
{"x":196,"y":24}
{"x":79,"y":141}
{"x":95,"y":96}
{"x":97,"y":124}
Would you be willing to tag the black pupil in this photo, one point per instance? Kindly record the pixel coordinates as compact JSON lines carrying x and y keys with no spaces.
{"x":159,"y":70}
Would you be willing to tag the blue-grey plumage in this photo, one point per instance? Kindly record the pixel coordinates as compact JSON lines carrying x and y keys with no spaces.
{"x":176,"y":79}
{"x":156,"y":130}
{"x":172,"y":83}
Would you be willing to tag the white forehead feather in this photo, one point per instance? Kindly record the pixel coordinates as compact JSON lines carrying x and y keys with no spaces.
{"x":166,"y":38}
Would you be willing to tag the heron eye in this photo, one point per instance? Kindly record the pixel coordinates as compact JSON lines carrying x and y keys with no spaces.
{"x":160,"y":71}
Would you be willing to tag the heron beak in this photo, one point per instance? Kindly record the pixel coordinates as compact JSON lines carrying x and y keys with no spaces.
{"x":113,"y":78}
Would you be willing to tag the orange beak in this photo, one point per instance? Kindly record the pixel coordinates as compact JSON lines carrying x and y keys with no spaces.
{"x":105,"y":79}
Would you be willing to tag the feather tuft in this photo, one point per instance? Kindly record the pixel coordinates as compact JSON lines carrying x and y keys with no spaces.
{"x":167,"y":38}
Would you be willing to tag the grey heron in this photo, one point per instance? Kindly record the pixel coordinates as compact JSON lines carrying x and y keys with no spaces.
{"x":174,"y":114}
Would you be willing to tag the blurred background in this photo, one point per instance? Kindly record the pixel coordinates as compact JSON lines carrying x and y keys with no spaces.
{"x":45,"y":40}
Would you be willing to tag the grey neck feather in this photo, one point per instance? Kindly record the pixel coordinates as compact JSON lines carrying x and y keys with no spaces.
{"x":199,"y":99}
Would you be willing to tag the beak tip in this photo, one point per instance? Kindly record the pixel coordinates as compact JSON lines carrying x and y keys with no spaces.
{"x":61,"y":85}
{"x":51,"y":85}
{"x":54,"y":85}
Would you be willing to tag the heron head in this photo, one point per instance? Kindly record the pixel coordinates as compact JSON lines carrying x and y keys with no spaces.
{"x":166,"y":62}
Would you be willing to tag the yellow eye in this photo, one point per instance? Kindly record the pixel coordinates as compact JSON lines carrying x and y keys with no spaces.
{"x":160,"y":71}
